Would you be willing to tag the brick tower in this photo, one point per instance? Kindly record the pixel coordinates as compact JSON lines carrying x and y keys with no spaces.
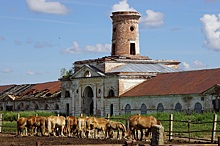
{"x":125,"y":35}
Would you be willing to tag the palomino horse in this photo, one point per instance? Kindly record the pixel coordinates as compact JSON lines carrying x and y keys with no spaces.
{"x":54,"y":123}
{"x":118,"y":126}
{"x":71,"y":125}
{"x":139,"y":122}
{"x":21,"y":125}
{"x":81,"y":126}
{"x":95,"y":125}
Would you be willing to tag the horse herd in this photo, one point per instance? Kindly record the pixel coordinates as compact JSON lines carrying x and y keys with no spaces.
{"x":85,"y":127}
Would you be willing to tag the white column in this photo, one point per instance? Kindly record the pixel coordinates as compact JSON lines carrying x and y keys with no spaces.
{"x":72,"y":102}
{"x":80,"y":101}
{"x":102,"y":99}
{"x":94,"y":100}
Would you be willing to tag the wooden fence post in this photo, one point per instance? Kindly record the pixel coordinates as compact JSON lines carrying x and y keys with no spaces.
{"x":18,"y":116}
{"x":171,"y":128}
{"x":214,"y":128}
{"x":0,"y":123}
{"x":189,"y":121}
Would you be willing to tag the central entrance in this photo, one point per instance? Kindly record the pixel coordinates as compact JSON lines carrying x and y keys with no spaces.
{"x":87,"y":101}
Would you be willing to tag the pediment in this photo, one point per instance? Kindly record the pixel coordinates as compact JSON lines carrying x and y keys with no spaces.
{"x":87,"y":71}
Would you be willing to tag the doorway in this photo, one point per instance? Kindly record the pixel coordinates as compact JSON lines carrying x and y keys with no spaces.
{"x":87,"y":101}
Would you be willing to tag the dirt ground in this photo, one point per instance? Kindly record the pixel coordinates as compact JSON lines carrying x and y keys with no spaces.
{"x":10,"y":139}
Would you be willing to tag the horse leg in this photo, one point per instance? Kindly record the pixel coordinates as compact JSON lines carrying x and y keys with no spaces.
{"x":141,"y":134}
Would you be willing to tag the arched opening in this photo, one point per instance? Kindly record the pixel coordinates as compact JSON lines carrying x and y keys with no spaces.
{"x":87,"y":101}
{"x":111,"y":93}
{"x":46,"y":107}
{"x":87,"y":74}
{"x":178,"y":107}
{"x":143,"y":109}
{"x":128,"y":109}
{"x":36,"y":107}
{"x":57,"y":107}
{"x":160,"y":107}
{"x":198,"y":107}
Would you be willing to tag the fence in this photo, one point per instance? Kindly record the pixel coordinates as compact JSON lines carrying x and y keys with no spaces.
{"x":185,"y":132}
{"x":188,"y":131}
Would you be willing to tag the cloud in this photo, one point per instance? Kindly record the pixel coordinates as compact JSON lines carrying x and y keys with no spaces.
{"x":7,"y":70}
{"x":99,"y":48}
{"x":42,"y":45}
{"x":211,"y":29}
{"x":47,"y":7}
{"x":75,"y":48}
{"x":31,"y":73}
{"x":195,"y":65}
{"x":122,"y":6}
{"x":153,"y":19}
{"x":2,"y":38}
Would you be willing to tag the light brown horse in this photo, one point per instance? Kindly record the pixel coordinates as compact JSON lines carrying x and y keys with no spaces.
{"x":54,"y":123}
{"x":36,"y":123}
{"x":95,"y":125}
{"x":21,"y":125}
{"x":139,"y":122}
{"x":118,"y":126}
{"x":71,"y":125}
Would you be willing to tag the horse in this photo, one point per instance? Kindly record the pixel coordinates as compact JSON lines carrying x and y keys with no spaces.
{"x":71,"y":125}
{"x":54,"y":123}
{"x":118,"y":126}
{"x":36,"y":123}
{"x":93,"y":124}
{"x":21,"y":125}
{"x":139,"y":122}
{"x":81,"y":126}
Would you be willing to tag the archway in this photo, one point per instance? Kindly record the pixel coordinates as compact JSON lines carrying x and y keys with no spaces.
{"x":87,"y":101}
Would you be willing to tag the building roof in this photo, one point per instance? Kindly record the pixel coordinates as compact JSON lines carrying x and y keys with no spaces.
{"x":5,"y":87}
{"x":136,"y":67}
{"x":47,"y":88}
{"x":186,"y":82}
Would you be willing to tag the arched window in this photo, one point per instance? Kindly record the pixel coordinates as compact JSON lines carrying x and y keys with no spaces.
{"x":111,"y":93}
{"x":27,"y":107}
{"x":160,"y":107}
{"x":128,"y":109}
{"x":46,"y":107}
{"x":143,"y":109}
{"x":87,"y":74}
{"x":57,"y":107}
{"x":178,"y":107}
{"x":36,"y":107}
{"x":198,"y":108}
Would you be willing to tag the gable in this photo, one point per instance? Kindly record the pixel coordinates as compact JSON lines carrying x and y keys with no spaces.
{"x":87,"y":71}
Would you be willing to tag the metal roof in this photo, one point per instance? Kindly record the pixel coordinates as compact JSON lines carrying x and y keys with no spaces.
{"x":186,"y":82}
{"x":132,"y":67}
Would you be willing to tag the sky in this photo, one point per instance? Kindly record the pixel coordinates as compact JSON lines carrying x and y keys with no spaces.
{"x":38,"y":38}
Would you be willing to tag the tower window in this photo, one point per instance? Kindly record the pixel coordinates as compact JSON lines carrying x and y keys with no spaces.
{"x":113,"y":49}
{"x":114,"y":29}
{"x":132,"y":49}
{"x":132,"y":28}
